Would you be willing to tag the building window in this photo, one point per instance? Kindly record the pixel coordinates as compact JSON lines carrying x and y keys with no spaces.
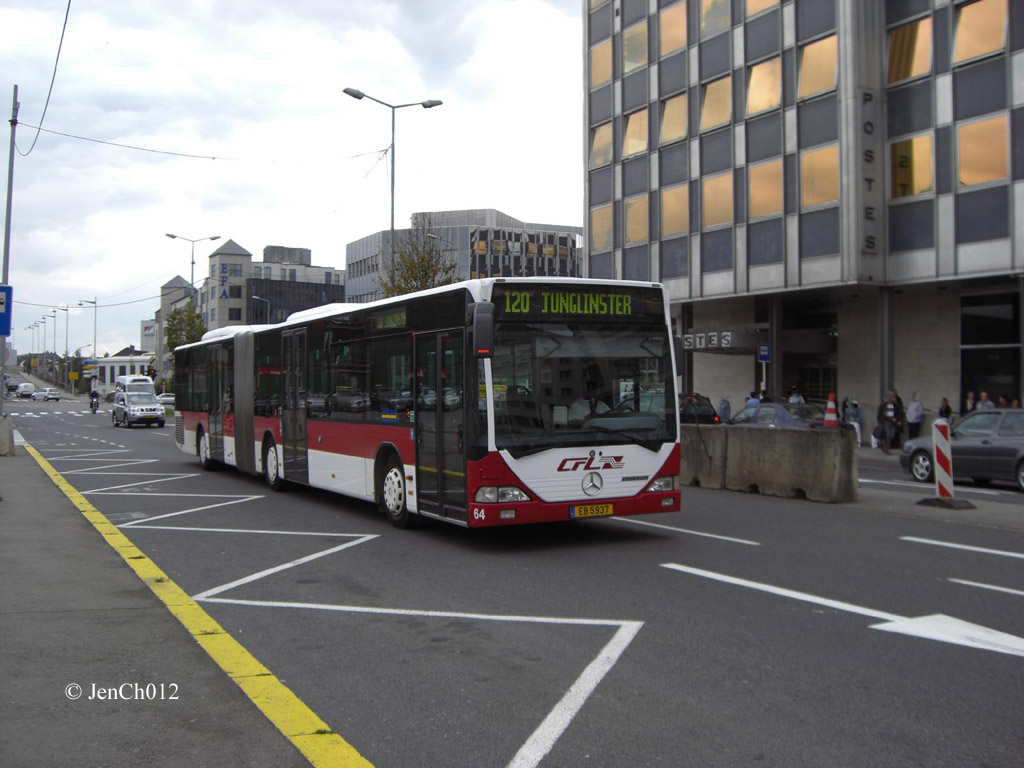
{"x":764,"y":86}
{"x":717,"y":107}
{"x":234,"y":291}
{"x":910,"y":50}
{"x":634,"y":48}
{"x":912,"y":166}
{"x":234,"y":315}
{"x":672,"y":31}
{"x":213,"y":315}
{"x":980,"y":29}
{"x":819,"y":176}
{"x":601,"y":228}
{"x":675,"y":210}
{"x":717,"y":199}
{"x":637,"y":218}
{"x":765,"y":182}
{"x":601,"y":145}
{"x":234,"y":270}
{"x":673,"y":119}
{"x":756,"y":6}
{"x":635,"y":139}
{"x":818,"y":67}
{"x":291,"y":275}
{"x":982,"y":151}
{"x":601,"y":64}
{"x":714,"y":17}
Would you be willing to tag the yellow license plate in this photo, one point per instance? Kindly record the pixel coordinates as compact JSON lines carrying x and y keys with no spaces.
{"x":591,"y":510}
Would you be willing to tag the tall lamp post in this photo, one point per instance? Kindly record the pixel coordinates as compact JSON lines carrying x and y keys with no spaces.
{"x":67,"y":320}
{"x":258,"y":298}
{"x":95,"y":351}
{"x":355,"y":93}
{"x":192,"y":280}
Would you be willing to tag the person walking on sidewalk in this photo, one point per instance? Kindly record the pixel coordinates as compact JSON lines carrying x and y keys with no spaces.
{"x":890,"y":421}
{"x":851,"y":416}
{"x":945,"y":411}
{"x":915,"y":415}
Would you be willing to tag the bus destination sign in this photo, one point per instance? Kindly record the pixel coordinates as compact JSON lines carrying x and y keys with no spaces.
{"x":547,"y":302}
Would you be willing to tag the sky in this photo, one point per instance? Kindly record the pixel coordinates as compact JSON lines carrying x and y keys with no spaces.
{"x":254,"y":89}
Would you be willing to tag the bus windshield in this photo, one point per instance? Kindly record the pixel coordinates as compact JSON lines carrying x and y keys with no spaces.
{"x":565,"y":384}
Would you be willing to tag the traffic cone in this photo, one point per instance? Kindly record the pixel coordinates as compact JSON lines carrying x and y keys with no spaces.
{"x":830,"y":412}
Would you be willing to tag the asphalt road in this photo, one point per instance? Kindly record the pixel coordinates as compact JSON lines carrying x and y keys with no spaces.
{"x":741,"y":630}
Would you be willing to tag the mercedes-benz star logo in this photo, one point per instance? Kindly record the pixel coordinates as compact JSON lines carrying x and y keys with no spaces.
{"x":592,"y":483}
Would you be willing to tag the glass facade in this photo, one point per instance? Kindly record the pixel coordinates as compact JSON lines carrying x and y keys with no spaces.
{"x":819,"y":176}
{"x":672,"y":29}
{"x":634,"y":48}
{"x":818,"y":67}
{"x":983,"y":151}
{"x":912,"y":166}
{"x":716,"y":109}
{"x":764,"y":86}
{"x":980,"y":29}
{"x":765,"y":185}
{"x":910,"y":50}
{"x":673,"y":119}
{"x":717,"y":199}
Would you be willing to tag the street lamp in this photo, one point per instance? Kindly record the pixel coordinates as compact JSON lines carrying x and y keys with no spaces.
{"x":67,"y":320}
{"x":257,"y":298}
{"x":355,"y":93}
{"x":192,"y":281}
{"x":95,"y":351}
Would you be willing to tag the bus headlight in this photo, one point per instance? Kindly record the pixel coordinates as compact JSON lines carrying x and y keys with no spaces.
{"x":662,"y":484}
{"x":500,"y":494}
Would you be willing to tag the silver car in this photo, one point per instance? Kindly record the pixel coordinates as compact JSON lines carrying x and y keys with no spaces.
{"x":985,"y":446}
{"x":137,"y":408}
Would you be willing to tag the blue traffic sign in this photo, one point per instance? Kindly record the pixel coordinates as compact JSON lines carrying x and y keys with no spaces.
{"x":5,"y":310}
{"x":764,"y":353}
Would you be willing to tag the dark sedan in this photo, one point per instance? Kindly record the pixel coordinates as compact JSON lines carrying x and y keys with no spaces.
{"x":793,"y":415}
{"x":986,"y":445}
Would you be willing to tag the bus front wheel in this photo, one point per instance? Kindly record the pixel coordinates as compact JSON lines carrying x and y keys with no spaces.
{"x":271,"y":467}
{"x":391,"y":493}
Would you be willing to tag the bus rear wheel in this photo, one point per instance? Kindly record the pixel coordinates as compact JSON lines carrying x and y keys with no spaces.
{"x":203,"y":450}
{"x":391,"y":494}
{"x":271,"y":467}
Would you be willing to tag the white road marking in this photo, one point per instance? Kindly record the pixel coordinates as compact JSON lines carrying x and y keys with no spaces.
{"x":164,"y":477}
{"x":929,"y":489}
{"x":188,"y":529}
{"x":946,"y":629}
{"x":137,"y":523}
{"x":686,"y":531}
{"x":993,"y":587}
{"x":965,"y":547}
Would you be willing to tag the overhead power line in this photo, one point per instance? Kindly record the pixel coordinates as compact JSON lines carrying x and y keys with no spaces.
{"x":53,"y":79}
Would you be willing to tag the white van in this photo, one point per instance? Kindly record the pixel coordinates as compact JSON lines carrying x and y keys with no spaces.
{"x":26,"y":389}
{"x":134,"y":384}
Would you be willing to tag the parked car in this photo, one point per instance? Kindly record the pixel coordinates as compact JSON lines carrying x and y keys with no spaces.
{"x":695,"y":408}
{"x":985,"y":446}
{"x":165,"y":398}
{"x":47,"y":393}
{"x":136,"y":408}
{"x":790,"y":415}
{"x":25,"y":389}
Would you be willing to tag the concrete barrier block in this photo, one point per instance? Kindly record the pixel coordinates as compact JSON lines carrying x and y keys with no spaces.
{"x":704,"y":450}
{"x":816,"y":464}
{"x":6,"y":437}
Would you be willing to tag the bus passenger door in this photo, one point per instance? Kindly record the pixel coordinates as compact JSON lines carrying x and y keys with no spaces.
{"x":293,"y":413}
{"x":215,"y":415}
{"x":440,"y":422}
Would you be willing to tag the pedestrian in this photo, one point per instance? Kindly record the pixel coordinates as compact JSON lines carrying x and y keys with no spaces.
{"x":984,"y":404}
{"x":753,"y":399}
{"x":1002,"y":401}
{"x":915,"y":415}
{"x":724,"y":409}
{"x":795,"y":396}
{"x":852,"y":417}
{"x":969,"y":404}
{"x":945,"y":412}
{"x":1015,"y":403}
{"x":764,"y":396}
{"x":890,"y":421}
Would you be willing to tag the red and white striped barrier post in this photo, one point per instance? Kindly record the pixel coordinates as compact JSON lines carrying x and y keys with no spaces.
{"x":942,"y":460}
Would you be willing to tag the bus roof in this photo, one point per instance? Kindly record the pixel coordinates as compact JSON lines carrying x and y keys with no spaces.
{"x":479,"y":288}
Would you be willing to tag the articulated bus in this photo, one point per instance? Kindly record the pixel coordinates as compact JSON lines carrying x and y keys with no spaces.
{"x":490,"y":402}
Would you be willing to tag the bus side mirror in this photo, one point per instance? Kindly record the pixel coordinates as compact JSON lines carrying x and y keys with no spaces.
{"x":483,"y":329}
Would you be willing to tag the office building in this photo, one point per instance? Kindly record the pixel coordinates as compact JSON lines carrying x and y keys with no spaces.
{"x":835,"y":184}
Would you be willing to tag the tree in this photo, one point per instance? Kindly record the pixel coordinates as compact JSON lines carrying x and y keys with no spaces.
{"x":422,"y":260}
{"x":184,"y":326}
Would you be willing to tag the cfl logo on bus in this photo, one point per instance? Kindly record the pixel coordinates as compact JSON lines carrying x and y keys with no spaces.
{"x":591,"y":463}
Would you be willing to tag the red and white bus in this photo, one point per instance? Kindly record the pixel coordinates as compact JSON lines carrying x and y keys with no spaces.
{"x":489,"y":402}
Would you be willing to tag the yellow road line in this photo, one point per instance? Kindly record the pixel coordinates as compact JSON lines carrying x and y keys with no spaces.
{"x":299,"y":724}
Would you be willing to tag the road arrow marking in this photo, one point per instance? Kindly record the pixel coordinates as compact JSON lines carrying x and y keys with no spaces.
{"x":945,"y":629}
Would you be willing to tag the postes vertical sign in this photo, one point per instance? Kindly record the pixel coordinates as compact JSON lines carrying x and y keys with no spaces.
{"x":872,"y":175}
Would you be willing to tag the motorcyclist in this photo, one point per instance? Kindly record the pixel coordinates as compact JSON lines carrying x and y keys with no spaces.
{"x":94,"y":400}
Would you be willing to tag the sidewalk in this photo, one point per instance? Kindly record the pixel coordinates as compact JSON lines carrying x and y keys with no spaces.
{"x":73,"y":613}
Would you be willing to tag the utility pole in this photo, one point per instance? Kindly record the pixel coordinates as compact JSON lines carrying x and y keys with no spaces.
{"x":7,"y":427}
